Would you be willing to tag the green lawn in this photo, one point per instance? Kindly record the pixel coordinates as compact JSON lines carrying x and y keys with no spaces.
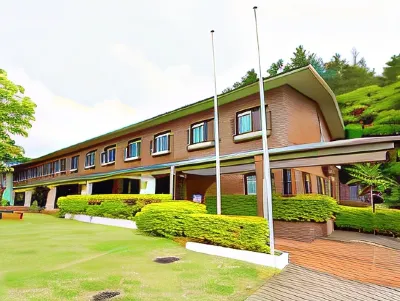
{"x":46,"y":258}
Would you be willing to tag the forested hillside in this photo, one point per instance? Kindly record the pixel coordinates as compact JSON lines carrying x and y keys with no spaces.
{"x":371,"y":110}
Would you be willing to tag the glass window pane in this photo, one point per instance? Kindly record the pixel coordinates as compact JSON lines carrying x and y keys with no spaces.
{"x":251,"y":185}
{"x":244,"y":123}
{"x":198,"y":134}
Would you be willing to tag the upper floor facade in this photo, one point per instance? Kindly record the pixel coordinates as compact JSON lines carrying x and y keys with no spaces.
{"x":300,"y":110}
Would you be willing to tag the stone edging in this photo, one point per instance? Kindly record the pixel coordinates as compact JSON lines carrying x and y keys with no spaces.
{"x":123,"y":223}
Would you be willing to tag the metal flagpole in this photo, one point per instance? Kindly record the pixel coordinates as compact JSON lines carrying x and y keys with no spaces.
{"x":216,"y":132}
{"x":267,"y":190}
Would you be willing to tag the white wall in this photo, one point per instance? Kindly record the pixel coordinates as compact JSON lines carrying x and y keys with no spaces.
{"x":147,"y":185}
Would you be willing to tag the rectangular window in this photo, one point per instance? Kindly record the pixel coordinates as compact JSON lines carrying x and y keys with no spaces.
{"x":57,"y":166}
{"x":251,"y":187}
{"x":29,"y":173}
{"x":108,"y":156}
{"x":40,"y":170}
{"x":161,"y":143}
{"x":89,"y":160}
{"x":307,"y":182}
{"x":321,"y":185}
{"x":244,"y":122}
{"x":199,"y":132}
{"x":287,"y":181}
{"x":63,"y":165}
{"x":47,"y":169}
{"x":354,"y":193}
{"x":74,"y":163}
{"x":133,"y":150}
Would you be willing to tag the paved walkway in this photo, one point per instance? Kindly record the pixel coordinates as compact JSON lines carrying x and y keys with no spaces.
{"x":297,"y":283}
{"x":349,"y":236}
{"x":354,"y":261}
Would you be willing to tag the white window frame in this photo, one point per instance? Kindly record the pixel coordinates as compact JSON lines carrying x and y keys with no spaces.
{"x":249,"y":112}
{"x":203,"y":123}
{"x":168,"y":150}
{"x":107,"y":152}
{"x":138,"y":144}
{"x":94,"y":159}
{"x":247,"y":187}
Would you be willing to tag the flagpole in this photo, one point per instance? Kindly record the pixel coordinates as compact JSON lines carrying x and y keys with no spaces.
{"x":216,"y":132}
{"x":267,"y":189}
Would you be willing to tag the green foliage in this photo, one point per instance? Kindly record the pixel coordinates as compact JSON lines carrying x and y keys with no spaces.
{"x":108,"y":205}
{"x":167,"y":219}
{"x":238,"y":232}
{"x":4,"y":202}
{"x":392,"y":197}
{"x":382,"y":130}
{"x":16,"y":115}
{"x":353,"y":131}
{"x":249,"y":78}
{"x":35,"y":207}
{"x":188,"y":219}
{"x":306,"y":207}
{"x":392,"y":71}
{"x":245,"y":205}
{"x":383,"y":221}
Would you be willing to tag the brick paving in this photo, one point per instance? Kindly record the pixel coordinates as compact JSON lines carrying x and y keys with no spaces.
{"x":354,"y":261}
{"x":297,"y":283}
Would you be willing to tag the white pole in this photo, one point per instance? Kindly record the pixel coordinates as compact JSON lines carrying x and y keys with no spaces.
{"x":267,"y":190}
{"x":216,"y":132}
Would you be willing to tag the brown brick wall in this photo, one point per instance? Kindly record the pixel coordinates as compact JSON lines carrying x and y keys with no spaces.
{"x":293,"y":121}
{"x":302,"y":231}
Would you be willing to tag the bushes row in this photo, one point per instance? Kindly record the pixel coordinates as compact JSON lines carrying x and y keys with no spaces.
{"x":187,"y":219}
{"x":108,"y":205}
{"x":384,"y":220}
{"x":307,"y":207}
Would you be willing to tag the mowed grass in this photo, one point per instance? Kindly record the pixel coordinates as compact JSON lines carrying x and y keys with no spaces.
{"x":46,"y":258}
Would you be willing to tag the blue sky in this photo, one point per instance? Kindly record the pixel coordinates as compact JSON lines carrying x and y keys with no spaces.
{"x":93,"y":66}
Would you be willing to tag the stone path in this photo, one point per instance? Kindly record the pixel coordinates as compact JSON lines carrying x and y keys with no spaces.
{"x":297,"y":283}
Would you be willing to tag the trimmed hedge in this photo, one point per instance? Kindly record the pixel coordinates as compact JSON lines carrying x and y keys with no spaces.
{"x":302,"y":207}
{"x":108,"y":205}
{"x":305,"y":207}
{"x":188,"y":219}
{"x":167,"y":219}
{"x":238,"y":232}
{"x":384,"y":220}
{"x":245,"y":205}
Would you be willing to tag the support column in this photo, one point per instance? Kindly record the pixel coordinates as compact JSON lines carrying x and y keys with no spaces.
{"x":259,"y":184}
{"x":118,"y":186}
{"x":147,"y":185}
{"x":172,"y":182}
{"x":86,"y":189}
{"x":8,"y":192}
{"x":28,"y":198}
{"x":51,"y":198}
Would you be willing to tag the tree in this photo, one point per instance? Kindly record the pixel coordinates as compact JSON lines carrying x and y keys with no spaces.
{"x":371,"y":177}
{"x":392,"y":72}
{"x":16,"y":115}
{"x":249,"y":78}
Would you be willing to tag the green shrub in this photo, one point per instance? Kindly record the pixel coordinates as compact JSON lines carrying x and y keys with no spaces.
{"x":245,"y":205}
{"x":167,"y":219}
{"x":305,"y":207}
{"x":35,"y":207}
{"x":238,"y":232}
{"x":382,"y":130}
{"x":108,"y":205}
{"x":4,"y":202}
{"x":188,"y":219}
{"x":384,"y":220}
{"x":353,"y":131}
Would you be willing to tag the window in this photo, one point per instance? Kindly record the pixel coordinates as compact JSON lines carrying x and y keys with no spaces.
{"x":307,"y":182}
{"x":63,"y":165}
{"x":47,"y":169}
{"x":57,"y":166}
{"x":244,"y":122}
{"x":199,"y":132}
{"x":133,"y":150}
{"x":248,"y":121}
{"x":108,"y":156}
{"x":251,"y":187}
{"x":321,"y":185}
{"x":354,"y":192}
{"x":40,"y":170}
{"x":89,"y":160}
{"x":287,"y":181}
{"x":161,"y":143}
{"x":74,"y":163}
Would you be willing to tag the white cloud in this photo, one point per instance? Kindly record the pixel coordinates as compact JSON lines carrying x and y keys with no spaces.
{"x":61,"y":122}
